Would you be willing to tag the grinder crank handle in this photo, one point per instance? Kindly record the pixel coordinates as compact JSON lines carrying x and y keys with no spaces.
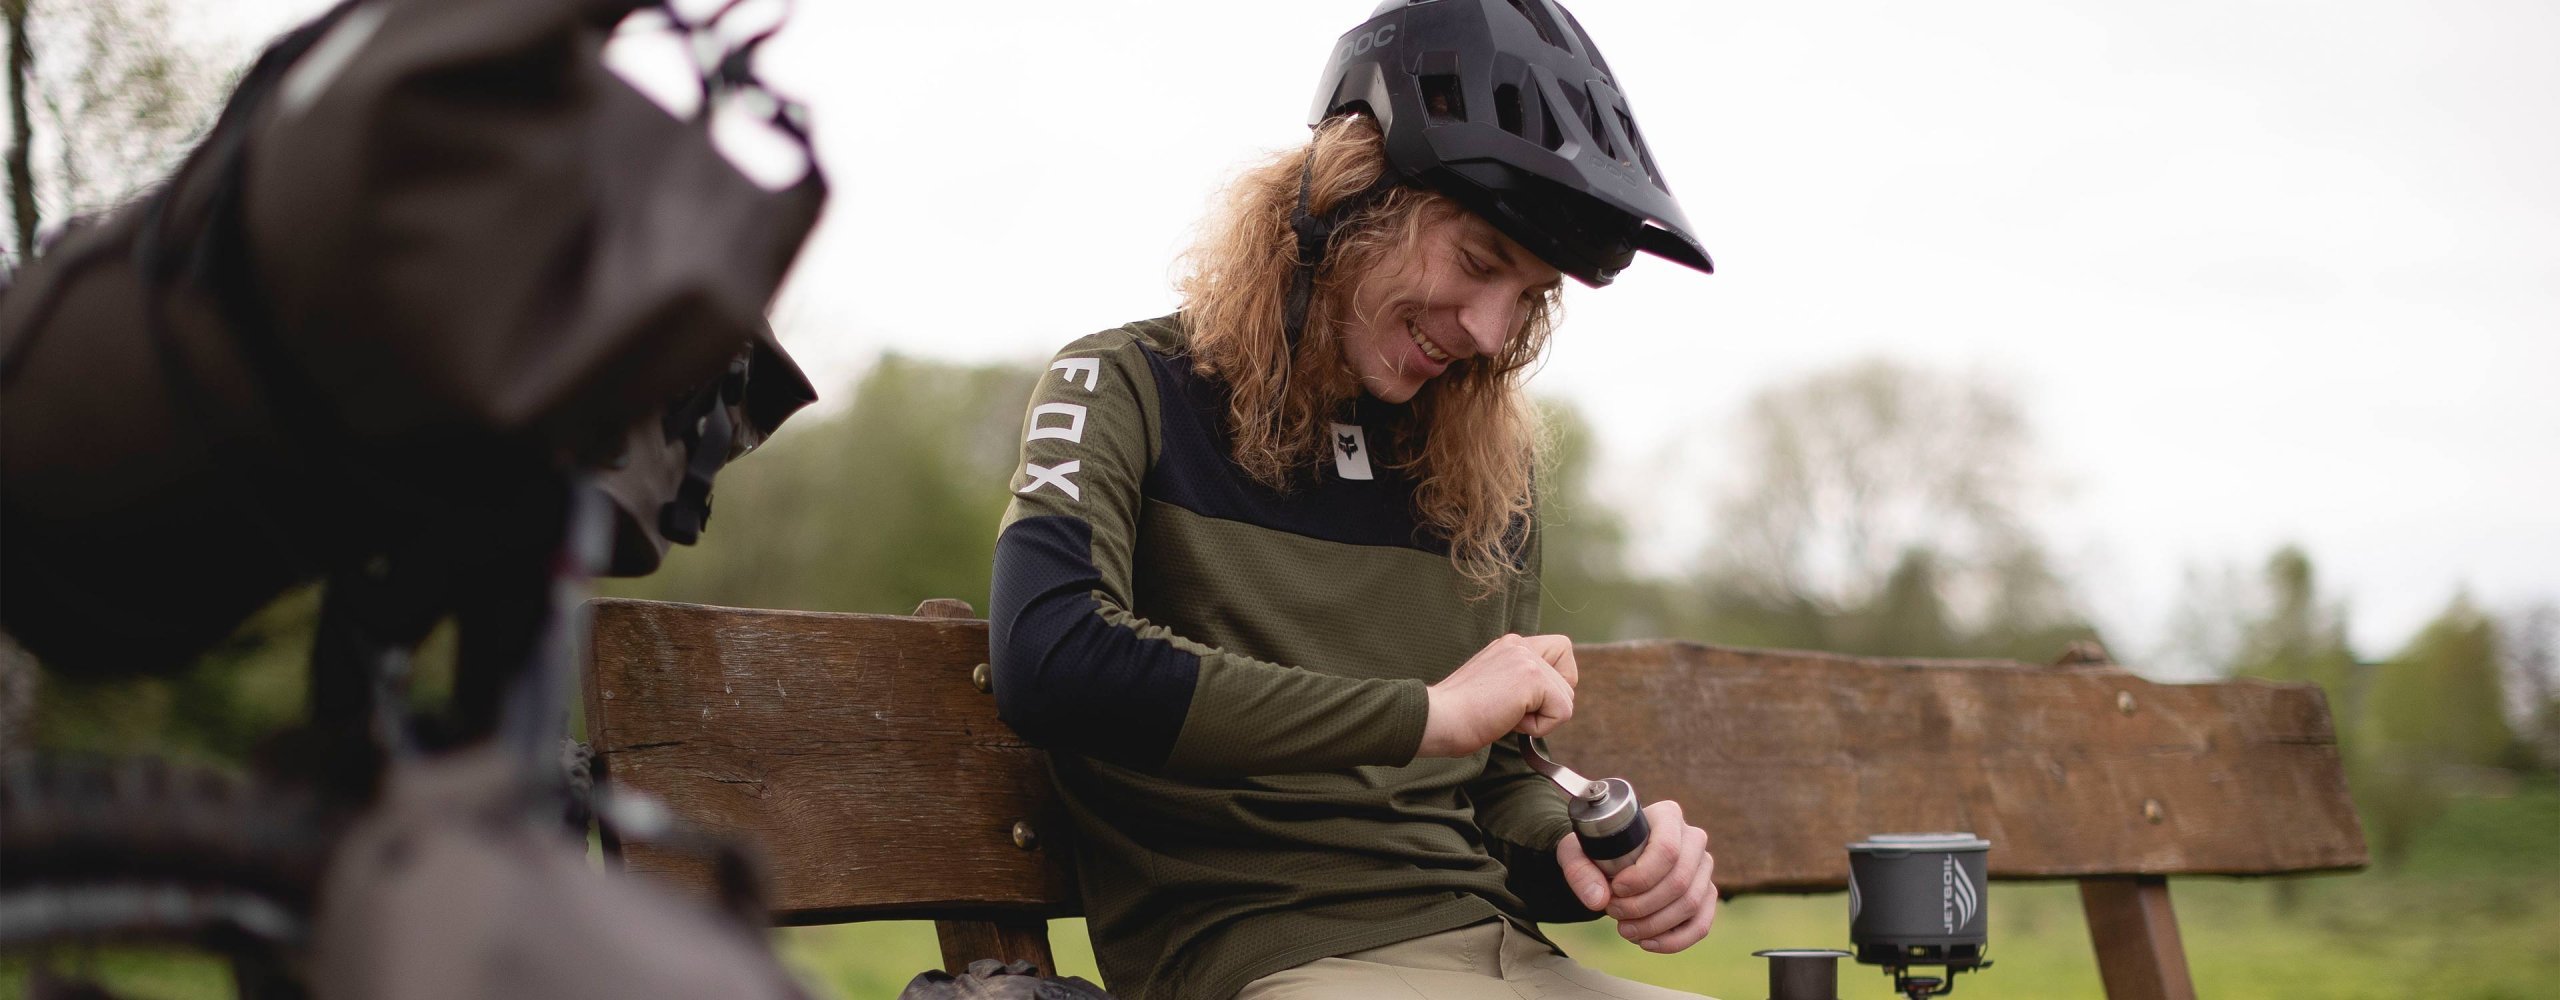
{"x":1605,"y":813}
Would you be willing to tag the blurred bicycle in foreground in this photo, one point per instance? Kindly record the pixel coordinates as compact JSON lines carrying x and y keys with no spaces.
{"x":448,"y":315}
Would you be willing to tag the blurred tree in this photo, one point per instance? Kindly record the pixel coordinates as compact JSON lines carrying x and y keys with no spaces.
{"x":2531,"y":640}
{"x":18,"y":685}
{"x":890,"y":501}
{"x":1908,"y":616}
{"x":2298,"y":637}
{"x":2443,"y":697}
{"x":22,"y":130}
{"x":104,"y":101}
{"x":1590,"y":593}
{"x":2435,"y":714}
{"x":224,"y":707}
{"x":2215,"y":607}
{"x":1881,"y":510}
{"x":2278,"y":627}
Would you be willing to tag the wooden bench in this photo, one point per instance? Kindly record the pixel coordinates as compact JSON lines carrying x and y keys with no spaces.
{"x":864,"y":754}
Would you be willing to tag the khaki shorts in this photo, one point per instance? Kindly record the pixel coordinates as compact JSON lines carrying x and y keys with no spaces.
{"x":1489,"y":961}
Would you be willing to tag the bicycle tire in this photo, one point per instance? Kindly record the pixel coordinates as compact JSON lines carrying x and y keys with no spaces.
{"x":150,"y":850}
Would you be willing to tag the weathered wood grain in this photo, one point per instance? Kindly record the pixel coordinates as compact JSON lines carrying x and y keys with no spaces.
{"x":881,"y":783}
{"x":2140,"y":956}
{"x":853,"y":748}
{"x":1785,"y":757}
{"x":1009,"y":939}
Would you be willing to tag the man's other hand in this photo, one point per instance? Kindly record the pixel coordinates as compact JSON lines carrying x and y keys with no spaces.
{"x":1515,"y":684}
{"x":1666,"y":900}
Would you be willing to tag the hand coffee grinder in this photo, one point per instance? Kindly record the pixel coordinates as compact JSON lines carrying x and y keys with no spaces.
{"x":1605,"y":813}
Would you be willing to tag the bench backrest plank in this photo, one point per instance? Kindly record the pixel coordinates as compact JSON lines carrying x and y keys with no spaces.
{"x":857,"y":749}
{"x":1789,"y":756}
{"x":853,"y":748}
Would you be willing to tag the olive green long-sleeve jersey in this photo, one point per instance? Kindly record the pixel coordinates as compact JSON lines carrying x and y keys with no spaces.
{"x":1231,"y":684}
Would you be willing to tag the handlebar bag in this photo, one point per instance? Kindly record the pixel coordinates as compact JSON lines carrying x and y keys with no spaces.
{"x":431,"y":250}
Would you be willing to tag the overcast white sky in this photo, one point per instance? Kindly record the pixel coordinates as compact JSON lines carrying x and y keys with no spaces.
{"x":2262,"y":270}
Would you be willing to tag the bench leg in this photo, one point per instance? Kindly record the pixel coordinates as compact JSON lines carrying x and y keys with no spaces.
{"x":2139,"y":954}
{"x":1017,"y":940}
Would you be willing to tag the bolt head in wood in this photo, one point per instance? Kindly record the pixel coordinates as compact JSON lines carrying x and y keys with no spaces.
{"x":982,"y":678}
{"x":1024,"y":836}
{"x":2124,"y":702}
{"x":2151,"y":811}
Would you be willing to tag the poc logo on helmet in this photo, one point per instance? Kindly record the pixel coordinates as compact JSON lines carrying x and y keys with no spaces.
{"x":1361,"y":44}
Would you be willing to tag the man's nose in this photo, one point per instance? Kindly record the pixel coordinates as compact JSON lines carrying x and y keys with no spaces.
{"x":1487,"y":320}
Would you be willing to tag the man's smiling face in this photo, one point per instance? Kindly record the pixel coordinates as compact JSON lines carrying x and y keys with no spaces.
{"x":1463,"y":292}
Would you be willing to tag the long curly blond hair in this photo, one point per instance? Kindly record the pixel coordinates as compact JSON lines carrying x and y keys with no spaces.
{"x":1470,"y":439}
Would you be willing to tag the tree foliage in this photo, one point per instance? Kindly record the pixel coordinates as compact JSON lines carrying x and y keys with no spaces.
{"x":1590,"y":593}
{"x":887,"y":502}
{"x":2442,"y":700}
{"x":2299,"y":636}
{"x":226,"y":706}
{"x":112,"y":98}
{"x":2530,"y":638}
{"x":2434,"y":717}
{"x":1881,"y":509}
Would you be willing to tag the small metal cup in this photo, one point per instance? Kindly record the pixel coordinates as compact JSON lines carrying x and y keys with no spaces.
{"x":1803,"y":973}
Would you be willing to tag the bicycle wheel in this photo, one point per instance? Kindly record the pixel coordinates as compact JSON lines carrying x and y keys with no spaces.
{"x":152,"y":852}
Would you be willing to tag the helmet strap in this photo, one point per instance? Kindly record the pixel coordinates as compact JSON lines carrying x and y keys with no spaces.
{"x":1315,"y":238}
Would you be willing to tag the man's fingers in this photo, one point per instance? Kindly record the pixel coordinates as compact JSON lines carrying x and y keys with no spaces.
{"x":1689,"y":933}
{"x":1557,"y":650}
{"x":1550,"y":703}
{"x":1669,"y":903}
{"x":1512,"y":685}
{"x":1660,"y":855}
{"x":1588,"y":882}
{"x":1681,"y":840}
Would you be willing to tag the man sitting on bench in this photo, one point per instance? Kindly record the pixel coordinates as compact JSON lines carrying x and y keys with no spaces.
{"x":1268,"y":587}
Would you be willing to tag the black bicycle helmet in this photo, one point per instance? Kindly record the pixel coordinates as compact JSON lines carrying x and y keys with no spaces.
{"x":1507,"y":107}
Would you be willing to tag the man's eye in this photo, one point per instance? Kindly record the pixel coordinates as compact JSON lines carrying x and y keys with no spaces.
{"x":1474,"y":265}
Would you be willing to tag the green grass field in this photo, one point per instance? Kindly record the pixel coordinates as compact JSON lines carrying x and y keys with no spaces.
{"x":2473,"y":915}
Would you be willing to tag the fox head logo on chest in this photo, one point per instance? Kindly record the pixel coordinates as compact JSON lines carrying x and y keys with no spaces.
{"x":1349,"y":442}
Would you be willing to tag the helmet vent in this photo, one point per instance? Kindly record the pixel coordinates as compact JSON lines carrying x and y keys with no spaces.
{"x":1442,"y":97}
{"x":1644,"y":154}
{"x":1535,"y":11}
{"x":1588,"y":111}
{"x":1554,"y":139}
{"x":1506,"y":109}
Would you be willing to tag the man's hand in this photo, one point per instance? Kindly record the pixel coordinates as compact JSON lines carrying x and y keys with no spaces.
{"x":1516,"y":684}
{"x":1666,"y":900}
